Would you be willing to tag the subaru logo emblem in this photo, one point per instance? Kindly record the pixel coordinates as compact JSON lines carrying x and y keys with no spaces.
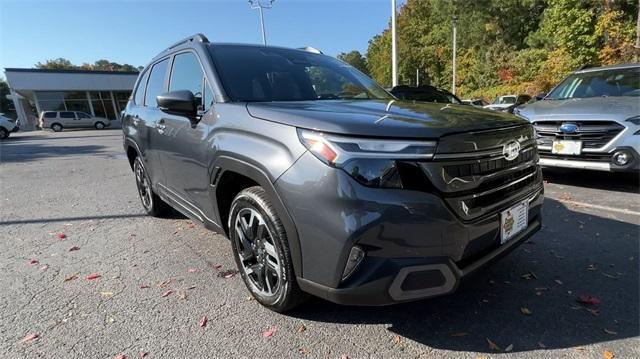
{"x":569,"y":128}
{"x":511,"y":150}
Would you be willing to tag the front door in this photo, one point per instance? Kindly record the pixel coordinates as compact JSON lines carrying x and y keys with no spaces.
{"x":68,"y":119}
{"x":84,"y":119}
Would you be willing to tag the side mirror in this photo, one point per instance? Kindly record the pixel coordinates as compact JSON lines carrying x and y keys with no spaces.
{"x":540,"y":96}
{"x":180,"y":102}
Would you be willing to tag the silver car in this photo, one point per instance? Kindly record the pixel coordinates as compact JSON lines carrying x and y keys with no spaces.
{"x":591,"y":120}
{"x":59,"y":120}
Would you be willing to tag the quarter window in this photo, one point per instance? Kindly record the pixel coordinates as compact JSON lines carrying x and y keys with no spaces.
{"x":187,"y":74}
{"x":155,"y":85}
{"x":139,"y":96}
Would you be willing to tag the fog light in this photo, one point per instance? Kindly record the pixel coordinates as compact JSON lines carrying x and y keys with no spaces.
{"x":622,"y":158}
{"x":355,"y":258}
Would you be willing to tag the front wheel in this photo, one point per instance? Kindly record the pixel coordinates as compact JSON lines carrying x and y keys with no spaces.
{"x":152,"y":204}
{"x":261,"y":251}
{"x":99,"y":125}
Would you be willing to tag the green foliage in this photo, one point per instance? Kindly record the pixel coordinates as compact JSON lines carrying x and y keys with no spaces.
{"x":6,"y":105}
{"x":355,"y":59}
{"x":504,"y":46}
{"x":100,"y":65}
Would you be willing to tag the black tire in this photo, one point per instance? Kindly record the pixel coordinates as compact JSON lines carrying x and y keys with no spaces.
{"x":288,"y":294}
{"x":4,"y":133}
{"x":56,"y":127}
{"x":99,"y":125}
{"x":152,"y":204}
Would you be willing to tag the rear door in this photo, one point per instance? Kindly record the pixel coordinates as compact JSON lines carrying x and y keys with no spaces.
{"x":185,"y":146}
{"x":68,"y":119}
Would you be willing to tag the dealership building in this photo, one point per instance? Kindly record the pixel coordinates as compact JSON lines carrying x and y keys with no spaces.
{"x":98,"y":93}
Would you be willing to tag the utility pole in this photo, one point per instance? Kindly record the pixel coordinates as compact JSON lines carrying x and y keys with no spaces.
{"x":394,"y":50}
{"x":258,"y":4}
{"x":454,"y":21}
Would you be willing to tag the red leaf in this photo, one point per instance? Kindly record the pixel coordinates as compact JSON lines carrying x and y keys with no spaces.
{"x":192,"y":270}
{"x":73,"y":277}
{"x":33,"y":262}
{"x":268,"y":333}
{"x":217,"y":266}
{"x":29,"y":338}
{"x":74,"y":248}
{"x":120,"y":356}
{"x":191,"y":225}
{"x":143,"y":354}
{"x":588,"y":299}
{"x":61,"y":236}
{"x":203,"y":321}
{"x":143,"y":286}
{"x":44,"y":267}
{"x":344,"y":356}
{"x":93,"y":276}
{"x":167,"y":293}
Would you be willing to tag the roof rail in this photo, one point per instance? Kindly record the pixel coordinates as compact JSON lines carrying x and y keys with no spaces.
{"x":197,"y":37}
{"x":310,"y":49}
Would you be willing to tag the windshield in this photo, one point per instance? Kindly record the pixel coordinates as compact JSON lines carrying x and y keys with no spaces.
{"x":504,"y":100}
{"x":620,"y":82}
{"x":254,"y":73}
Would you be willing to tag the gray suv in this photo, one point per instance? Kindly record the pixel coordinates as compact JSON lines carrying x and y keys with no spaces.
{"x":591,"y":120}
{"x":325,"y":183}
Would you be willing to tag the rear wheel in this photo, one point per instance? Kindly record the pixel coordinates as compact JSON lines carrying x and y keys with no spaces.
{"x":56,"y":127}
{"x":99,"y":125}
{"x":3,"y":133}
{"x":262,"y":252}
{"x":152,"y":204}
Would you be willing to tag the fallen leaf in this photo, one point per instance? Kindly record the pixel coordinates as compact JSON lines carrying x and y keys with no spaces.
{"x":493,"y":346}
{"x":594,"y":312}
{"x":301,"y":328}
{"x":303,"y":350}
{"x":565,"y":196}
{"x":526,"y":311}
{"x":203,"y":322}
{"x":167,"y":293}
{"x":610,"y":332}
{"x":192,"y":270}
{"x":540,"y":289}
{"x":608,"y":275}
{"x":459,"y":334}
{"x":29,"y":338}
{"x":508,"y":348}
{"x":120,"y":356}
{"x":217,"y":266}
{"x":143,"y":286}
{"x":73,"y":277}
{"x":106,"y":294}
{"x":397,"y":339}
{"x":143,"y":354}
{"x":529,"y":275}
{"x":588,"y":299}
{"x":558,"y":281}
{"x":541,"y":345}
{"x":44,"y":267}
{"x":268,"y":333}
{"x":74,"y":248}
{"x":33,"y":262}
{"x":344,"y":356}
{"x":182,"y":295}
{"x":592,"y":267}
{"x":93,"y":276}
{"x":608,"y":355}
{"x":228,"y":273}
{"x":163,"y":283}
{"x":61,"y":236}
{"x":191,"y":225}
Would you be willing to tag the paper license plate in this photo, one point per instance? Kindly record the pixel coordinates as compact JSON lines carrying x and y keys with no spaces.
{"x":513,"y":221}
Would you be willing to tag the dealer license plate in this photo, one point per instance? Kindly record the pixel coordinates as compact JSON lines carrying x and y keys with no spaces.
{"x":513,"y":221}
{"x":566,"y":147}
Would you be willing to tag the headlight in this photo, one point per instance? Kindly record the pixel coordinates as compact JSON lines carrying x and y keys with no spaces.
{"x":635,"y":120}
{"x":371,"y":162}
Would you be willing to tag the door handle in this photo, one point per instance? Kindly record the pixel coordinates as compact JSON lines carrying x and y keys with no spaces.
{"x":160,"y":127}
{"x":136,"y":120}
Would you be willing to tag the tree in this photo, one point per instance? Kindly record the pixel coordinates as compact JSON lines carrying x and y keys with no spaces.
{"x":355,"y":59}
{"x":6,"y":105}
{"x":100,"y":65}
{"x":56,"y":64}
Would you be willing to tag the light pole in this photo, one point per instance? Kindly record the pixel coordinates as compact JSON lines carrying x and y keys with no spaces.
{"x":394,"y":50}
{"x":258,"y":4}
{"x":454,"y":21}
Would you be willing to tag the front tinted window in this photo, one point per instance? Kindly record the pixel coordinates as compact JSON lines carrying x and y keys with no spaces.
{"x":67,"y":115}
{"x":139,"y":96}
{"x":83,"y":115}
{"x":187,"y":74}
{"x":50,"y":115}
{"x":155,"y":85}
{"x":253,"y":73}
{"x":621,"y":82}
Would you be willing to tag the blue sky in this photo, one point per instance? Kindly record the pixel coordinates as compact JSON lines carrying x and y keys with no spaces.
{"x":134,"y":31}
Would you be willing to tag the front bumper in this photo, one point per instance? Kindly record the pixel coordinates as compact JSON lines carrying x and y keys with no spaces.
{"x":416,"y":246}
{"x":593,"y":161}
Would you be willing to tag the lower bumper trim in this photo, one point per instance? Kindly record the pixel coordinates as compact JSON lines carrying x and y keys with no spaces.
{"x":586,"y":165}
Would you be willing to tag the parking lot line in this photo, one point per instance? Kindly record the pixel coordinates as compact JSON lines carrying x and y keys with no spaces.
{"x":595,"y":206}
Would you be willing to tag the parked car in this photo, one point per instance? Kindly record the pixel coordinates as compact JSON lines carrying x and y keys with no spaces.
{"x":475,"y":102}
{"x":502,"y":102}
{"x":591,"y":120}
{"x":424,"y":94}
{"x":59,"y":120}
{"x":323,"y":182}
{"x":7,"y":126}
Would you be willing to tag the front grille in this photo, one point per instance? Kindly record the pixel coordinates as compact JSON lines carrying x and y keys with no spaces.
{"x":485,"y":167}
{"x":593,"y":134}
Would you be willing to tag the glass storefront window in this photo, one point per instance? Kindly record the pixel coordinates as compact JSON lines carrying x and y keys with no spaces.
{"x":78,"y":105}
{"x":101,"y":101}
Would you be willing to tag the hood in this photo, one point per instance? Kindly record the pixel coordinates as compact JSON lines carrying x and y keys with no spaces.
{"x":381,"y":118}
{"x":596,"y":108}
{"x":503,"y":105}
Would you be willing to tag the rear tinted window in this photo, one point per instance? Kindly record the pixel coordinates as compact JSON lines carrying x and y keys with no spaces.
{"x":67,"y":115}
{"x":50,"y":115}
{"x":155,"y":85}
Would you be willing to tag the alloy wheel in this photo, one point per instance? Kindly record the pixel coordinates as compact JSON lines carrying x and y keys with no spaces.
{"x":144,"y":187}
{"x":257,"y":252}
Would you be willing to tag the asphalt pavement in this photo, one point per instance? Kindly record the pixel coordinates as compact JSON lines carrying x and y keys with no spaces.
{"x":85,"y":274}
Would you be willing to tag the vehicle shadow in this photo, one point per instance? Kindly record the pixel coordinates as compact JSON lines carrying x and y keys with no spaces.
{"x":27,"y":151}
{"x":574,"y":254}
{"x":624,"y":182}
